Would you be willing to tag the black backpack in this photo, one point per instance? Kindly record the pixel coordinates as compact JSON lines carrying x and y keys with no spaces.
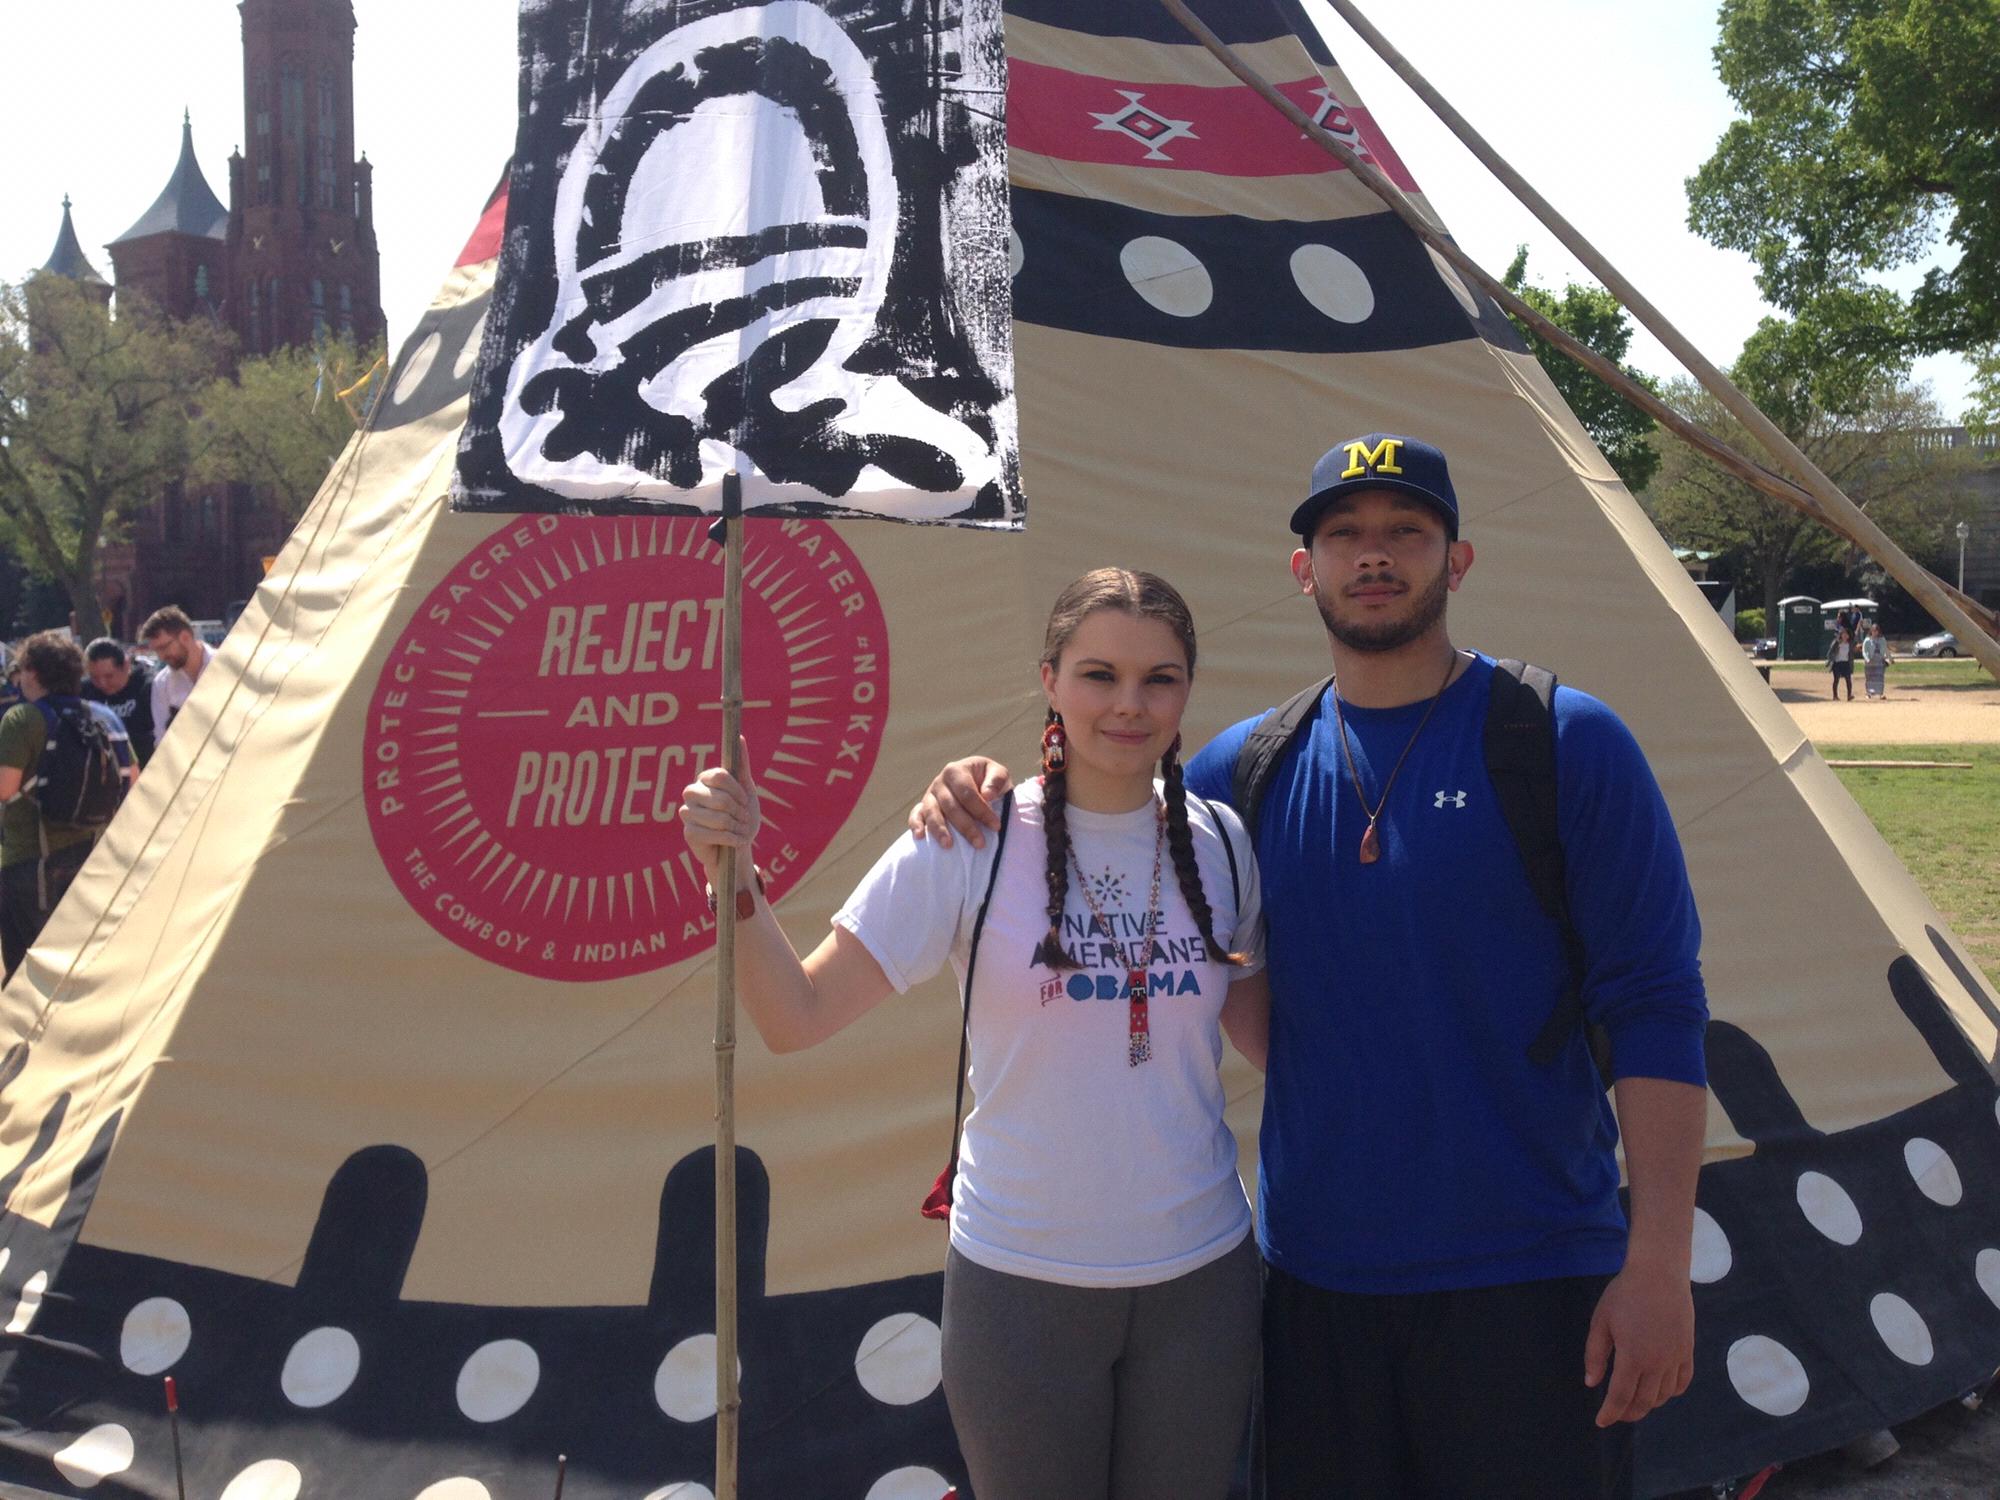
{"x":78,"y":782}
{"x":1521,"y":761}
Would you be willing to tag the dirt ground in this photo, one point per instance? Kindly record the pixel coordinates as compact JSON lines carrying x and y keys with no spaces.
{"x":1912,"y":713}
{"x":1952,"y":1454}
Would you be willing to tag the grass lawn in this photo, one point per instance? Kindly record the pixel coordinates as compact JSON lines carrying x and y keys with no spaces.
{"x":1944,"y":826}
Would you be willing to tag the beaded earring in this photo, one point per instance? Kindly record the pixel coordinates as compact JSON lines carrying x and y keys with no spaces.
{"x":1055,"y":746}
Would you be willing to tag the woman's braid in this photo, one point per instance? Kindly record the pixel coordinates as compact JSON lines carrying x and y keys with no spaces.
{"x":1180,"y":844}
{"x":1055,"y":827}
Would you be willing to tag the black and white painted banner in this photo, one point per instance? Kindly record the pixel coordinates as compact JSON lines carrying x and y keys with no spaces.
{"x":764,"y":236}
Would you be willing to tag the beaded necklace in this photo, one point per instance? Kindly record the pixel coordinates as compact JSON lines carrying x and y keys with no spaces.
{"x":1139,"y":1048}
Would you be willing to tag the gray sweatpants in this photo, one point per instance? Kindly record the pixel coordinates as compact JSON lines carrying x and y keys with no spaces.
{"x":1101,"y":1393}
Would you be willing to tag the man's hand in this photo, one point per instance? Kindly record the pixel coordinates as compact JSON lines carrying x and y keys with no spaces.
{"x":1644,"y":1329}
{"x":961,"y":798}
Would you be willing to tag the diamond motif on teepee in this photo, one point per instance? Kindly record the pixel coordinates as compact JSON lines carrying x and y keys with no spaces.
{"x":1332,"y":117}
{"x":1148,"y":127}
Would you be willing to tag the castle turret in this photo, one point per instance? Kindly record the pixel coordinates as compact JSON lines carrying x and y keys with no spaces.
{"x":176,"y":254}
{"x":68,"y":259}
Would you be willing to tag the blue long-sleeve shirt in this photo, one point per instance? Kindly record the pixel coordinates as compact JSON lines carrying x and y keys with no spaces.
{"x":1408,"y":1143}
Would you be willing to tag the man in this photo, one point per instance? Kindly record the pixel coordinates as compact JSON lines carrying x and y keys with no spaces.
{"x":124,"y":686}
{"x":169,"y":634}
{"x":39,"y":856}
{"x":1455,"y":1307}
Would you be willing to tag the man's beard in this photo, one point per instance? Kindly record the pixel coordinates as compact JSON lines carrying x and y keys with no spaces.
{"x":1389,"y":635}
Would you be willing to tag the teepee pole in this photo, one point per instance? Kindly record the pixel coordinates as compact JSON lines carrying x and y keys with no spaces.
{"x":1828,"y":503}
{"x":728,"y":1404}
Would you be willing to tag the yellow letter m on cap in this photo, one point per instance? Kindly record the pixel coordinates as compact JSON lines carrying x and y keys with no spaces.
{"x":1381,"y":459}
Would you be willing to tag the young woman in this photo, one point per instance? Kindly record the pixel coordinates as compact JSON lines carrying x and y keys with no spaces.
{"x":1875,"y":657}
{"x":1840,"y":657}
{"x":1101,"y":1289}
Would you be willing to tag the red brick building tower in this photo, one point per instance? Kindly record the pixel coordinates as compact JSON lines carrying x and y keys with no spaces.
{"x":301,"y":227}
{"x":175,"y":253}
{"x":292,"y":257}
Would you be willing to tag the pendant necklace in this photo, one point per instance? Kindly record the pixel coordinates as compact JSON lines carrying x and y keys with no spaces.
{"x":1371,"y":845}
{"x":1139,"y":1047}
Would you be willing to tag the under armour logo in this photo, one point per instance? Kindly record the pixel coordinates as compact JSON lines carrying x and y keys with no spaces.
{"x":1450,"y":799}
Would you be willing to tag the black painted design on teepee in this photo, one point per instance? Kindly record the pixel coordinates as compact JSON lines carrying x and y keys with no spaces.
{"x":1792,"y":1291}
{"x":397,"y":1427}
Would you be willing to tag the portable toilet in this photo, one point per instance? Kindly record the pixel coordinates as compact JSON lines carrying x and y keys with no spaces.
{"x":1830,"y":610}
{"x":1801,"y":629}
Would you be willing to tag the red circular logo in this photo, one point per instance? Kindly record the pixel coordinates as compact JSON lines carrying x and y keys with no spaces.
{"x":532,"y":730}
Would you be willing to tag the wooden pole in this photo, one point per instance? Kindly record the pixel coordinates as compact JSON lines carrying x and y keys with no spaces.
{"x":728,"y":1403}
{"x":1827,"y":503}
{"x":174,"y":1425}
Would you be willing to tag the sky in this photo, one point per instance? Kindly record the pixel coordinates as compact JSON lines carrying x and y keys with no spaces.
{"x":1604,"y":106}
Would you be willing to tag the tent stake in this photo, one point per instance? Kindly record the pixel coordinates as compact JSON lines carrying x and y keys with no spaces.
{"x":562,"y":1471}
{"x":1828,"y":504}
{"x":728,"y":1405}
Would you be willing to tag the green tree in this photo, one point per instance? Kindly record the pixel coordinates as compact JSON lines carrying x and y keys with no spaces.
{"x":1862,"y":423}
{"x":283,"y":419}
{"x":1870,"y":131}
{"x":1594,"y":318}
{"x":1983,"y":416}
{"x":95,"y":419}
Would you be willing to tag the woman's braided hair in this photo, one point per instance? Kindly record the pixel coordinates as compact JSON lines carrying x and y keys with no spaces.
{"x":1145,"y":596}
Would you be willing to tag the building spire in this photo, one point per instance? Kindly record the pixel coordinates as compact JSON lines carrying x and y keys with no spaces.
{"x":68,"y":259}
{"x":187,"y":205}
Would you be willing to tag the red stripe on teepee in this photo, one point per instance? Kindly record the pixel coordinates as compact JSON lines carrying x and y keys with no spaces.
{"x":1227,"y":130}
{"x":485,"y":241}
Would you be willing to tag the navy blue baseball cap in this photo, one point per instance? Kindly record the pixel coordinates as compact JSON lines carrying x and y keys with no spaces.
{"x":1380,"y":461}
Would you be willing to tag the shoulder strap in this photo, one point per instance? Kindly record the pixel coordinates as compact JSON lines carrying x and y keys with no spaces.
{"x":1521,"y":762}
{"x":1258,"y":760}
{"x":1228,"y":848}
{"x":972,"y":963}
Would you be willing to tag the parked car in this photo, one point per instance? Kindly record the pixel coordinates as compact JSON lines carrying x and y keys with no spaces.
{"x":1944,"y":643}
{"x":1765,"y":650}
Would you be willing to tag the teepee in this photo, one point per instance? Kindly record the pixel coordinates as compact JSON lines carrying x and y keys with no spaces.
{"x":361,"y":1084}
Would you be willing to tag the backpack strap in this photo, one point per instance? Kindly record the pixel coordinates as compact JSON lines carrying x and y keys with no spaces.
{"x":1521,"y":762}
{"x":51,"y":722}
{"x":971,"y":964}
{"x":1228,"y":848}
{"x":1257,"y":761}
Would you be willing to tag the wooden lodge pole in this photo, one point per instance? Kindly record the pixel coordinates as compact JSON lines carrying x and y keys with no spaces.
{"x":728,"y":1402}
{"x":1813,"y":492}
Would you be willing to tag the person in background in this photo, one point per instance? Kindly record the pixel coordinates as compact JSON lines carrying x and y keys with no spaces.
{"x":1840,"y":657}
{"x":39,"y":857}
{"x":169,"y":634}
{"x":1875,"y":657}
{"x":124,"y":685}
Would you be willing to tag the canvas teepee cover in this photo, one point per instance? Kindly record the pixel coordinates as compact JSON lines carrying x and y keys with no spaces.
{"x":362,"y":1082}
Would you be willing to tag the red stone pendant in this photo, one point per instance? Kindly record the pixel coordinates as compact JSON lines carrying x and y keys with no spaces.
{"x":1371,"y":846}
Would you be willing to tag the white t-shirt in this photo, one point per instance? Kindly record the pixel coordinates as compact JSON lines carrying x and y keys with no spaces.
{"x":171,"y":688}
{"x":1076,"y":1166}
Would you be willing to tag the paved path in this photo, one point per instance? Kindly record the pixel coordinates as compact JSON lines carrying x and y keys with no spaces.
{"x":1912,"y":713}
